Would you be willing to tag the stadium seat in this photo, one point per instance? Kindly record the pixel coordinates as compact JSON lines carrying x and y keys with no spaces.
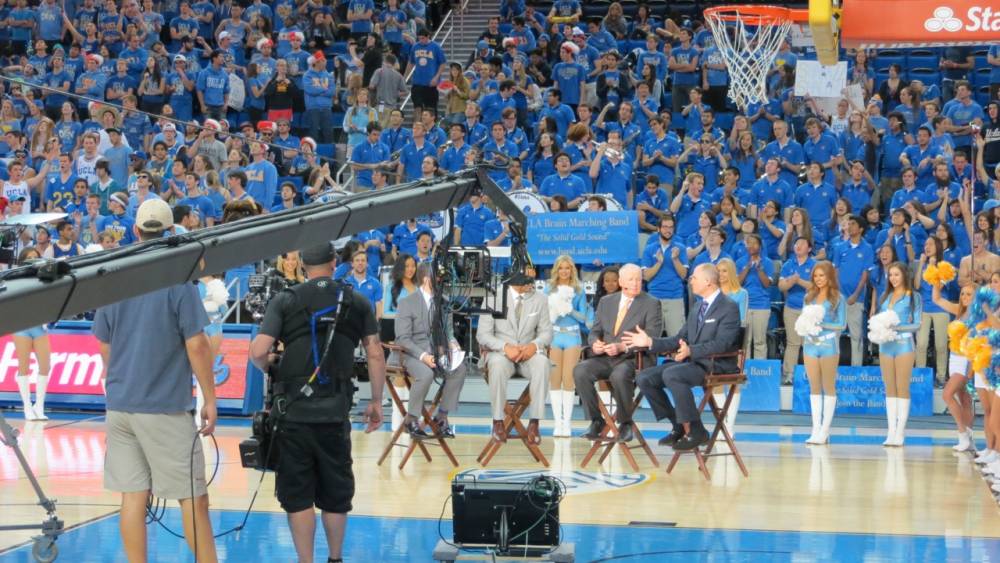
{"x":925,"y":75}
{"x":981,"y":62}
{"x":326,"y":150}
{"x":922,"y":61}
{"x":983,"y":95}
{"x":883,"y":62}
{"x":981,"y":77}
{"x":724,"y":120}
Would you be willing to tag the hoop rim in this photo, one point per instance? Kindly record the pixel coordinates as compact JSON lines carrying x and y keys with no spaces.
{"x":755,"y":14}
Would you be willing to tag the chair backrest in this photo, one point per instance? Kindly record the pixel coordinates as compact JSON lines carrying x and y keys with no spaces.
{"x":730,"y":377}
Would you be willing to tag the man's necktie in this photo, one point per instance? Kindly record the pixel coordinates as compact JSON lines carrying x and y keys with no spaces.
{"x":622,"y":311}
{"x":518,"y":307}
{"x":701,"y":312}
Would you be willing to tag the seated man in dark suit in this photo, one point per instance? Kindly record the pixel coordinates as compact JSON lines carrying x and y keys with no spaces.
{"x":713,"y":327}
{"x":630,"y":307}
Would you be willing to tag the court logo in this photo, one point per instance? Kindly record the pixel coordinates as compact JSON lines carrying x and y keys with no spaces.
{"x":576,"y":481}
{"x":943,"y":20}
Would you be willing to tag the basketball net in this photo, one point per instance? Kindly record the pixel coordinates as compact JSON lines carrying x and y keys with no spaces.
{"x":748,"y":38}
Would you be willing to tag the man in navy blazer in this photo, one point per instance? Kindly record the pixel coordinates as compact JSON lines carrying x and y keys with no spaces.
{"x":713,"y":327}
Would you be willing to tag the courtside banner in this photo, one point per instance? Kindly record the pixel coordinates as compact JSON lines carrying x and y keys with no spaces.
{"x":76,"y":368}
{"x":918,"y":23}
{"x":860,"y":390}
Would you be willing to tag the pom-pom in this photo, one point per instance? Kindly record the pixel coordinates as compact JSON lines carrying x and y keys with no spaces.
{"x":985,"y":300}
{"x":809,"y":321}
{"x":946,"y":272}
{"x":931,"y":275}
{"x":561,"y":302}
{"x":974,"y":345}
{"x":957,"y":331}
{"x":981,"y":359}
{"x":881,"y":327}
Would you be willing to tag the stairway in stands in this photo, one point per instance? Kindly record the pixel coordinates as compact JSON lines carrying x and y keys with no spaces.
{"x":458,"y":36}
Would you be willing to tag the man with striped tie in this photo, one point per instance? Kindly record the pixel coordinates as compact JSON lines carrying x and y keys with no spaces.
{"x":610,"y":359}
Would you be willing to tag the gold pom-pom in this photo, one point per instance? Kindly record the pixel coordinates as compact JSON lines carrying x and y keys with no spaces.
{"x":957,"y":331}
{"x":946,"y":272}
{"x":974,"y":346}
{"x":981,"y":360}
{"x":931,"y":275}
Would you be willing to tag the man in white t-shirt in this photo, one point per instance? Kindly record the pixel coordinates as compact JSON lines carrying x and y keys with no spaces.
{"x":86,"y":163}
{"x":17,"y":187}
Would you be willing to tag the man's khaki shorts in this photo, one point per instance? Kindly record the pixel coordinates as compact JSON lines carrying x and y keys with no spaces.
{"x":152,"y":452}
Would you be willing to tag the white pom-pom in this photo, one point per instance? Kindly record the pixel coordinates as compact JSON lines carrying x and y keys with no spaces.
{"x":881,"y":327}
{"x":561,"y":302}
{"x":808,"y":322}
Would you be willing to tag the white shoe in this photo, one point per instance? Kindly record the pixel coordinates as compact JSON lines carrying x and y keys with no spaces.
{"x":964,"y":442}
{"x":558,"y":425}
{"x":891,"y":408}
{"x":986,"y":456}
{"x":816,"y":410}
{"x":992,"y":468}
{"x":39,"y":412}
{"x":996,"y":486}
{"x":902,"y":415}
{"x":829,"y":407}
{"x":569,"y":398}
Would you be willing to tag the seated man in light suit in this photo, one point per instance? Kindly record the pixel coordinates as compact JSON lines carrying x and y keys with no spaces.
{"x":713,"y":327}
{"x":518,"y":343}
{"x":414,"y":321}
{"x":629,"y":308}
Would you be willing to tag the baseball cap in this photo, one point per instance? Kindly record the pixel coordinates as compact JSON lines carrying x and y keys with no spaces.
{"x":139,"y":155}
{"x":482,"y":44}
{"x":991,"y":204}
{"x":180,"y":58}
{"x":154,"y":215}
{"x":169,"y":127}
{"x":315,"y":255}
{"x":224,"y":35}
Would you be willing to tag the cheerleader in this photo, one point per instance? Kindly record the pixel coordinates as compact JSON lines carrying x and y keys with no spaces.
{"x":821,"y":353}
{"x":955,"y":395}
{"x":566,"y":339}
{"x":729,"y":282}
{"x":989,"y":455}
{"x":896,"y":357}
{"x":35,"y":340}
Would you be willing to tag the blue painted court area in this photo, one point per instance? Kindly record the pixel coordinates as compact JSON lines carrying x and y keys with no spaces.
{"x":390,"y":540}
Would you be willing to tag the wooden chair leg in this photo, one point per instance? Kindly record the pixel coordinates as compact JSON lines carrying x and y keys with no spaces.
{"x":610,"y":433}
{"x":514,"y":428}
{"x":435,"y":429}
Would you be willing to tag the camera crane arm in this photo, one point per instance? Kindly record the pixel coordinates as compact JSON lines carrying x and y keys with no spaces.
{"x":43,"y":293}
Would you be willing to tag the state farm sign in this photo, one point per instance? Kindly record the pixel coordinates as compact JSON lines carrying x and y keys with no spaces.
{"x":921,"y":23}
{"x":77,"y":366}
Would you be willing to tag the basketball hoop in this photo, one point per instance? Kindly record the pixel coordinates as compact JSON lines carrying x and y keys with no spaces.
{"x":748,"y":37}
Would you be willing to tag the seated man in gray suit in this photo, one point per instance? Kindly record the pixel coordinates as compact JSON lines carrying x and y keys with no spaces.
{"x":712,"y":327}
{"x":414,"y":320}
{"x":629,"y":308}
{"x":518,"y":343}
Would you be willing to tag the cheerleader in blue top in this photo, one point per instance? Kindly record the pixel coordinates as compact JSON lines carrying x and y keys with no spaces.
{"x":955,"y":394}
{"x":896,"y":358}
{"x":567,"y":342}
{"x":729,"y":283}
{"x":821,"y":353}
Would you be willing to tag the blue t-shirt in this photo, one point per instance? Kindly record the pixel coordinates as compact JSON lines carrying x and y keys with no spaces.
{"x":817,"y":200}
{"x":686,"y":56}
{"x":369,"y":287}
{"x":667,"y":283}
{"x":851,"y":263}
{"x":358,"y":8}
{"x":570,"y":187}
{"x":473,"y":223}
{"x":796,"y":294}
{"x":426,"y":59}
{"x":568,"y":77}
{"x":174,"y":315}
{"x":759,"y":297}
{"x":412,"y":158}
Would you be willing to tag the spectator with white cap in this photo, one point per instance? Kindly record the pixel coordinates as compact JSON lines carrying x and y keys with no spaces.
{"x":569,"y":75}
{"x":266,"y":65}
{"x":319,"y":88}
{"x":297,"y":59}
{"x":180,"y":84}
{"x":208,"y":145}
{"x":91,"y":83}
{"x":232,"y":52}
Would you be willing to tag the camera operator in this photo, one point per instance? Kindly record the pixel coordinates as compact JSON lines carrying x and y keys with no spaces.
{"x":312,"y":398}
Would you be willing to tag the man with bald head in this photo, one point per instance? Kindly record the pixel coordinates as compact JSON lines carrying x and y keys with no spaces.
{"x":611,"y":359}
{"x":712,"y":327}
